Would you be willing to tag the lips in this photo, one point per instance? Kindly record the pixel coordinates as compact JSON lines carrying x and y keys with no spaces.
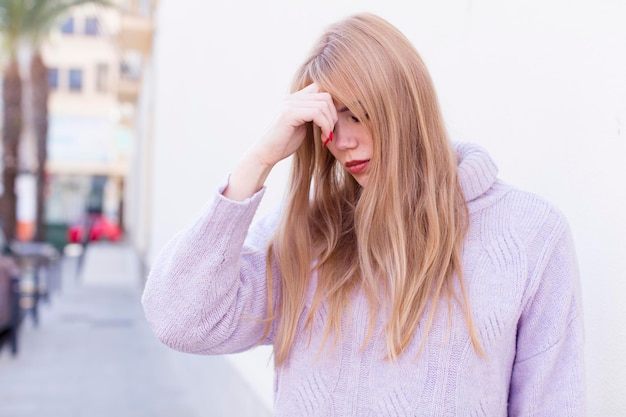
{"x":356,"y":167}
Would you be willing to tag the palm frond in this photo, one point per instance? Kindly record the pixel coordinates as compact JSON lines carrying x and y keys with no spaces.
{"x":12,"y":15}
{"x":34,"y":19}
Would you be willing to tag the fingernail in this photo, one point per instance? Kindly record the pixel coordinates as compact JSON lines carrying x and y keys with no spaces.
{"x":330,"y":138}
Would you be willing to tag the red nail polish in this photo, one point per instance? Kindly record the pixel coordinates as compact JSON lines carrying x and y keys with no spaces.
{"x":330,"y":138}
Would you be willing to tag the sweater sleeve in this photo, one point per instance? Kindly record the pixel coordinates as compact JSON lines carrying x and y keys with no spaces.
{"x":548,"y":377}
{"x":206,"y":292}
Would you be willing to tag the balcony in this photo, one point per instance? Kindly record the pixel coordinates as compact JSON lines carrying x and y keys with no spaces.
{"x":129,"y":84}
{"x":128,"y":90}
{"x":135,"y":32}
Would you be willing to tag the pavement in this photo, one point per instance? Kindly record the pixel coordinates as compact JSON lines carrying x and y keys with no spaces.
{"x":92,"y":354}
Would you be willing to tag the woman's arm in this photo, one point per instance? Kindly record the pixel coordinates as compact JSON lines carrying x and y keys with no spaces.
{"x":206,"y":292}
{"x":282,"y":139}
{"x":207,"y":289}
{"x":548,"y":376}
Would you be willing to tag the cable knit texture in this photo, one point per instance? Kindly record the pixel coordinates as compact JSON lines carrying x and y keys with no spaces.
{"x":206,"y":294}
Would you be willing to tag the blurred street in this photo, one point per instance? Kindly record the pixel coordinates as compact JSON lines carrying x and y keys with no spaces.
{"x":93,"y":355}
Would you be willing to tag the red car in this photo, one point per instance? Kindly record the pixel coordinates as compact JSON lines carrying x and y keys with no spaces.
{"x":101,"y":228}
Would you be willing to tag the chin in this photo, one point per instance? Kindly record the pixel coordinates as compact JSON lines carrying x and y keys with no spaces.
{"x":362,"y":181}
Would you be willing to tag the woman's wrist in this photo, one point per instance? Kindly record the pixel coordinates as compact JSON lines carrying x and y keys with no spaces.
{"x":248,"y":177}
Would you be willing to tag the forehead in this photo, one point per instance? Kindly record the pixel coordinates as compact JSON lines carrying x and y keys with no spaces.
{"x":342,"y":108}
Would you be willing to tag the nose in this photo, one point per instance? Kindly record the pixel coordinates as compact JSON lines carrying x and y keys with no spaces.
{"x":344,"y":137}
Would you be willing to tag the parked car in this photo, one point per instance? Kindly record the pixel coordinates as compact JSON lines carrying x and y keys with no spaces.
{"x":99,"y":228}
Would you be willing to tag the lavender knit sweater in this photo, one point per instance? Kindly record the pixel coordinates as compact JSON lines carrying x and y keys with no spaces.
{"x":208,"y":285}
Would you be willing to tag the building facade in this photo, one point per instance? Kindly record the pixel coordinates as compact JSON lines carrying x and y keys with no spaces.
{"x":94,"y":59}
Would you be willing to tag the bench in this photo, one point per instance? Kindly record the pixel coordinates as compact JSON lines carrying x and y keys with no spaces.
{"x":10,"y":311}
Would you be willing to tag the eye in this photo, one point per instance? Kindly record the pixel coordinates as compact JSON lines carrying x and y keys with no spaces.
{"x":355,"y":119}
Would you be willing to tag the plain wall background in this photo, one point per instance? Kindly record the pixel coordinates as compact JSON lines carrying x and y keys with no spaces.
{"x":540,"y":84}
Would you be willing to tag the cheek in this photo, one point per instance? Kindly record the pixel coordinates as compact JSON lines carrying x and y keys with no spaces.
{"x":331,"y":148}
{"x":366,"y":139}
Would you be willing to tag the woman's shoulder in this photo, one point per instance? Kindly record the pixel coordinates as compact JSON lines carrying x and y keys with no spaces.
{"x":491,"y":199}
{"x":511,"y":211}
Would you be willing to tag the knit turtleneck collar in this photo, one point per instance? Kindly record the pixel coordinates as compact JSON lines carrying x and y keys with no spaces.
{"x":476,"y":171}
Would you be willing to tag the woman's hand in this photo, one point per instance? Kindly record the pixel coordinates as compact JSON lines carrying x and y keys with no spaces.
{"x":282,"y":139}
{"x":288,"y":131}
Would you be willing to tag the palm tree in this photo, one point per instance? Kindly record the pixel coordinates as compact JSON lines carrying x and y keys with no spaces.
{"x":40,"y":90}
{"x":27,"y":21}
{"x":11,"y":19}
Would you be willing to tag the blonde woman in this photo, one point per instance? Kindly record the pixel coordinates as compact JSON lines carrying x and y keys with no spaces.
{"x":402,"y":278}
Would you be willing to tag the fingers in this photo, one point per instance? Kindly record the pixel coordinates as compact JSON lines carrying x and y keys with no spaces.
{"x":285,"y":135}
{"x":316,"y":111}
{"x":311,"y":105}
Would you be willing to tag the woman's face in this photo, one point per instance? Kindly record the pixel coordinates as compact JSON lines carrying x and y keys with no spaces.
{"x":352,"y":144}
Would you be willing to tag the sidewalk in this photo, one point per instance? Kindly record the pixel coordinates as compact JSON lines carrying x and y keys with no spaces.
{"x":93,"y":355}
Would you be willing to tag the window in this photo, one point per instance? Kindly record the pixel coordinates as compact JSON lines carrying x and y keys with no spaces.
{"x":102,"y":78}
{"x":130,"y":66}
{"x":67,"y":26}
{"x":53,"y":78}
{"x":76,"y":80}
{"x":91,"y":26}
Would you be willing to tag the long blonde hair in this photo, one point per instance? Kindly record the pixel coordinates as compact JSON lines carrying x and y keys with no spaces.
{"x":399,"y":239}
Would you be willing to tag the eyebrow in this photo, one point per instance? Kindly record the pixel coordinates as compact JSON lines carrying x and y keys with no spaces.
{"x":343,"y":109}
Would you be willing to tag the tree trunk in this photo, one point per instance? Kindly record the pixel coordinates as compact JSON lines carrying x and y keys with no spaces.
{"x":12,"y":129}
{"x":39,"y":78}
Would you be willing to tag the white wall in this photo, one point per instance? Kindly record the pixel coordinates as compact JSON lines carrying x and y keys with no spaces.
{"x":540,"y":84}
{"x":138,"y":189}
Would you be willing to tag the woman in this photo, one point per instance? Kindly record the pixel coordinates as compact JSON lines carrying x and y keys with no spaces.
{"x":402,"y":277}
